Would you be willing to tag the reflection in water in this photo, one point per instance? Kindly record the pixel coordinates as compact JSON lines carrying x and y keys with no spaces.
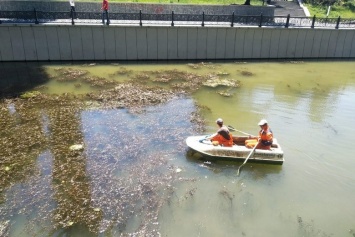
{"x":134,"y":175}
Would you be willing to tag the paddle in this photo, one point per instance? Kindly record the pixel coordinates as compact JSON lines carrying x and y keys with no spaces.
{"x":252,"y":151}
{"x":233,"y":129}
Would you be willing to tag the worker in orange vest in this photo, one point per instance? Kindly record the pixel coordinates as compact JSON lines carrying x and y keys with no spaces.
{"x":223,"y":136}
{"x":265,"y":138}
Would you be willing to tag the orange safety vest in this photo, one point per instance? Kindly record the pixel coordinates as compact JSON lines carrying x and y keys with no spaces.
{"x":266,"y":137}
{"x":265,"y":140}
{"x":222,"y":141}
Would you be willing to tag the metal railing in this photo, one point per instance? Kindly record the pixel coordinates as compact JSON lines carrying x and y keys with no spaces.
{"x":173,"y":19}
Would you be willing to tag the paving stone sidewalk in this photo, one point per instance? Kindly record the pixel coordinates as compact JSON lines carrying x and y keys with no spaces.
{"x":283,"y":8}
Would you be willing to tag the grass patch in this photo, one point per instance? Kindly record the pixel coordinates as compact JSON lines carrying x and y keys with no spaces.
{"x":335,"y":11}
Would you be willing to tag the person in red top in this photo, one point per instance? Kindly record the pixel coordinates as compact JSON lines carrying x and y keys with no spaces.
{"x":223,"y":136}
{"x":104,"y":9}
{"x":265,"y":138}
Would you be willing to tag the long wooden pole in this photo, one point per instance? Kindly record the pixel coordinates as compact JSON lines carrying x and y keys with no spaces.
{"x":233,"y":129}
{"x":252,"y":151}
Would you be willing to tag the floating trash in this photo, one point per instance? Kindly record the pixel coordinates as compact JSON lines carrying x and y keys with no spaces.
{"x":4,"y":228}
{"x":222,"y":73}
{"x":246,"y":73}
{"x":99,"y":188}
{"x":224,"y":93}
{"x":77,"y":147}
{"x":30,"y":94}
{"x":214,"y":82}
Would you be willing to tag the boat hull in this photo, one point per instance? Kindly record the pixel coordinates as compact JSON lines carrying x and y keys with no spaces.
{"x":235,"y":153}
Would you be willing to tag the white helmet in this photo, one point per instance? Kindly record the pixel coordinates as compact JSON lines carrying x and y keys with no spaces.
{"x":262,"y":122}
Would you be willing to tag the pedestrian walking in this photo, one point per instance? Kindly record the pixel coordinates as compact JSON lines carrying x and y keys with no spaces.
{"x":72,"y":9}
{"x":104,"y":9}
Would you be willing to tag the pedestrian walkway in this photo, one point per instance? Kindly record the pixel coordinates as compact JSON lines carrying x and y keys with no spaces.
{"x":283,"y":8}
{"x":280,"y":8}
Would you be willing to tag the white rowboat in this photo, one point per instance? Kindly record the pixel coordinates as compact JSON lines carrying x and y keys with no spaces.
{"x":237,"y":152}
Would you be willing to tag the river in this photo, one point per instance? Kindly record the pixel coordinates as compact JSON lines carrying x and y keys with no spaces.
{"x":134,"y":177}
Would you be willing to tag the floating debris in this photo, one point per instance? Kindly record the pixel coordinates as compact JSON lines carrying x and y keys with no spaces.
{"x":226,"y":194}
{"x":210,"y":65}
{"x":141,"y":77}
{"x":246,"y":73}
{"x":41,"y":88}
{"x":222,"y":73}
{"x":122,"y":71}
{"x":224,"y":93}
{"x":215,"y":82}
{"x":100,"y":82}
{"x":82,"y":180}
{"x":4,"y":227}
{"x":132,"y":95}
{"x":77,"y":147}
{"x":163,"y":78}
{"x":295,"y":62}
{"x":69,"y":74}
{"x":194,"y":65}
{"x":30,"y":94}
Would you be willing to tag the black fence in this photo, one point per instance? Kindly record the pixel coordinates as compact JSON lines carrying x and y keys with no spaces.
{"x":40,"y":17}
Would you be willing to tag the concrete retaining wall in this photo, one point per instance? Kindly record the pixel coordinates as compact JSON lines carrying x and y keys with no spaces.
{"x":51,"y":43}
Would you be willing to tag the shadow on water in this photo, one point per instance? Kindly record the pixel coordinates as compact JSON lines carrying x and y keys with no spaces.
{"x":18,"y":77}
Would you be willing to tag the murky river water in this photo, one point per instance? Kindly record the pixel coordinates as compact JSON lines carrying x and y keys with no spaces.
{"x":134,"y":177}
